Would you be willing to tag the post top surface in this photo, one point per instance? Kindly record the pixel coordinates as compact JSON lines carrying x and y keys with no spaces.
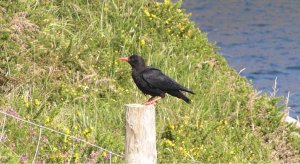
{"x":137,"y":105}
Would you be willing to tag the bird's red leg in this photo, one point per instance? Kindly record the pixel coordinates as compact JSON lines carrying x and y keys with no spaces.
{"x":152,"y":100}
{"x":148,"y":102}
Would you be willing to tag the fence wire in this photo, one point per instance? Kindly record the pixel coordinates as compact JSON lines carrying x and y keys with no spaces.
{"x":55,"y":131}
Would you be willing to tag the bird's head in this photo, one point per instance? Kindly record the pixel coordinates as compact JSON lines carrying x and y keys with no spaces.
{"x":135,"y":61}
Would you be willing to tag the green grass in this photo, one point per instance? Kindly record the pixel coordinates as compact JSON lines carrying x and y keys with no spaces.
{"x":59,"y":68}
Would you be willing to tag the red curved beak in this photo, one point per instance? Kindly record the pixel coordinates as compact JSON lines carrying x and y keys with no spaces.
{"x":124,"y":59}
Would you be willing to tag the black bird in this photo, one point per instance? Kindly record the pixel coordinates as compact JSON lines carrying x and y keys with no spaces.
{"x":153,"y":82}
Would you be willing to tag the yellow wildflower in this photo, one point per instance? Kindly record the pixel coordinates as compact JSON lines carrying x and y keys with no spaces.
{"x":86,"y":130}
{"x":157,"y":4}
{"x":76,"y":156}
{"x":26,"y":101}
{"x":166,"y":2}
{"x":181,"y":27}
{"x":181,"y":149}
{"x":169,"y":143}
{"x":179,"y":10}
{"x":143,"y":42}
{"x":104,"y":154}
{"x":179,"y":131}
{"x":225,"y":122}
{"x":67,"y":131}
{"x":47,"y":119}
{"x":66,"y":139}
{"x":153,"y":16}
{"x":27,"y":104}
{"x":172,"y":127}
{"x":147,"y":12}
{"x":37,"y":102}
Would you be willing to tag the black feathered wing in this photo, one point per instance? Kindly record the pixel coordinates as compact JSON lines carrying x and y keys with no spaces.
{"x":156,"y":79}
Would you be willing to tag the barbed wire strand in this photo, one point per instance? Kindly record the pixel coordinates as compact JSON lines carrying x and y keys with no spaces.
{"x":50,"y":129}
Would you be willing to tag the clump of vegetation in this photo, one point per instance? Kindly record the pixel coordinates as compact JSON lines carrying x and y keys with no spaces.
{"x":59,"y":68}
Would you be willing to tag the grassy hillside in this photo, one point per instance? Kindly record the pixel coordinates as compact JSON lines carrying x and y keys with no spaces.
{"x":59,"y":68}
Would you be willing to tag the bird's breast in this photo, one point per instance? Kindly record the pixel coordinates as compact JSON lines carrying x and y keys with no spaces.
{"x":140,"y":83}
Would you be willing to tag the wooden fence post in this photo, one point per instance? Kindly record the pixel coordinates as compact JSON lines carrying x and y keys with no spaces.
{"x":140,"y":134}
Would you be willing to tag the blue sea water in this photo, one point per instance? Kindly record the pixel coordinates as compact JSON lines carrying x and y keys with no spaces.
{"x":262,"y":36}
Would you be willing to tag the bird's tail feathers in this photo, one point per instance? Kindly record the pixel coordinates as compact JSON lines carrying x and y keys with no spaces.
{"x":180,"y":95}
{"x":187,"y":90}
{"x":186,"y":99}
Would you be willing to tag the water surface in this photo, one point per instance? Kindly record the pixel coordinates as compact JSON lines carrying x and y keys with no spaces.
{"x":261,"y":36}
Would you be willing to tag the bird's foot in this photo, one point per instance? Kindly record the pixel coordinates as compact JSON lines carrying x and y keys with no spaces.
{"x":152,"y":101}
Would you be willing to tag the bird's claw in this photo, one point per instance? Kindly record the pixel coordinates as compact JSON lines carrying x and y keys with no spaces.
{"x":152,"y":100}
{"x":150,"y":103}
